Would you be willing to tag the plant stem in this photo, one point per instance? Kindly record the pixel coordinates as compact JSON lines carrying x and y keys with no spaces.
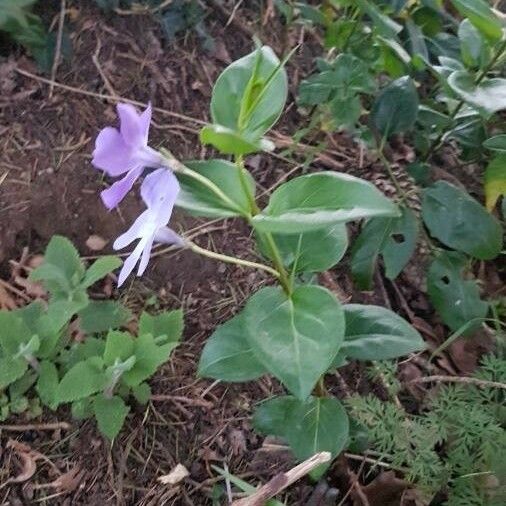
{"x":244,"y":185}
{"x":179,"y":168}
{"x":231,"y":260}
{"x":436,"y":144}
{"x":388,"y":167}
{"x":282,"y":275}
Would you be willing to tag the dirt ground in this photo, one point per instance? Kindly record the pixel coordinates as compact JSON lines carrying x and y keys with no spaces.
{"x":48,"y":186}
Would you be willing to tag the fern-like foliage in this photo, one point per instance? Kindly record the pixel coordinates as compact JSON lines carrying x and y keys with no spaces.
{"x":457,"y":445}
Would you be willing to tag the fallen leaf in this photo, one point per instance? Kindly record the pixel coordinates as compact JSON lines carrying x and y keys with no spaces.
{"x":96,"y":243}
{"x":69,"y":481}
{"x":385,"y":490}
{"x":26,"y":461}
{"x":6,"y":301}
{"x":178,"y":474}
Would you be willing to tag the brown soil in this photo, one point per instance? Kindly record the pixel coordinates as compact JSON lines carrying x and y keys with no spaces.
{"x":48,"y":186}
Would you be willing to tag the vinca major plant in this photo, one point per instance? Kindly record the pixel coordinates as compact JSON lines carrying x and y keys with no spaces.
{"x":294,"y":330}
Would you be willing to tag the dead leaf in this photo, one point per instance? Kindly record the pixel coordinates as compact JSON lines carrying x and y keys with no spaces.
{"x":385,"y":490}
{"x":32,"y":288}
{"x":96,"y":243}
{"x":6,"y":301}
{"x":69,"y":481}
{"x":237,"y":442}
{"x":178,"y":474}
{"x":25,"y":459}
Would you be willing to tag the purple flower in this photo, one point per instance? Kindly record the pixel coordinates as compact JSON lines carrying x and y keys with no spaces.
{"x":159,"y":191}
{"x":125,"y":150}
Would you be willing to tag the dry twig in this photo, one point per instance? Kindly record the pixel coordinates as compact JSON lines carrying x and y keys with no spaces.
{"x":283,"y":480}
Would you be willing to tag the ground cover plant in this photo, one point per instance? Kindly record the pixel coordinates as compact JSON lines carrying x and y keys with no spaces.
{"x":403,"y":96}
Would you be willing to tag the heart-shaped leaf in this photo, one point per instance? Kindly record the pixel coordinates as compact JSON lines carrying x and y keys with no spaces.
{"x":295,"y":337}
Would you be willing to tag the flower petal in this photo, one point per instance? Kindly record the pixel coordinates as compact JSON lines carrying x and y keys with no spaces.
{"x":134,"y":127}
{"x":138,"y":229}
{"x":116,"y":193}
{"x":130,"y":263}
{"x":159,"y":191}
{"x":166,"y":235}
{"x":146,"y":254}
{"x":111,"y":154}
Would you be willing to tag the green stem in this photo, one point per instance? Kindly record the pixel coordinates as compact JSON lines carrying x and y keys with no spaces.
{"x":283,"y":276}
{"x":231,"y":260}
{"x":179,"y":168}
{"x":438,"y":141}
{"x":245,"y":187}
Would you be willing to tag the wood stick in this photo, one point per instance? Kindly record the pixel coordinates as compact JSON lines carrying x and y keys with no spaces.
{"x":283,"y":480}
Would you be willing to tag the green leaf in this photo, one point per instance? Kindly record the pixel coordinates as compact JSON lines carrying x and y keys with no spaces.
{"x":102,"y":315}
{"x":481,"y":15}
{"x":11,"y":369}
{"x":22,"y":385}
{"x":400,"y":244}
{"x":417,"y":43}
{"x":474,"y":50}
{"x":47,"y":384}
{"x":230,"y":142}
{"x":385,"y":25}
{"x":100,"y":269}
{"x":456,"y":299}
{"x":366,"y":249}
{"x":272,"y":416}
{"x":142,"y":393}
{"x":168,"y":325}
{"x":295,"y":338}
{"x":148,"y":357}
{"x":393,"y":238}
{"x":376,"y":333}
{"x":460,"y":222}
{"x":228,"y":356}
{"x":15,"y":10}
{"x":314,"y":251}
{"x":110,"y":414}
{"x":396,"y":107}
{"x":249,"y":95}
{"x":318,"y":200}
{"x":118,"y":346}
{"x":487,"y":97}
{"x":198,"y":199}
{"x":13,"y":332}
{"x":311,"y":426}
{"x":61,"y":265}
{"x":495,"y":180}
{"x":316,"y":425}
{"x":496,"y":143}
{"x":347,"y":75}
{"x":82,"y":380}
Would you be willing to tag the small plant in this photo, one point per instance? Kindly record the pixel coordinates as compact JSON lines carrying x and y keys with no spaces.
{"x":24,"y":27}
{"x":96,"y":370}
{"x":294,"y":330}
{"x":456,"y":446}
{"x":441,"y":82}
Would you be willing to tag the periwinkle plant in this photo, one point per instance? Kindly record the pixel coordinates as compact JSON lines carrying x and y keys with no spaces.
{"x":295,"y":330}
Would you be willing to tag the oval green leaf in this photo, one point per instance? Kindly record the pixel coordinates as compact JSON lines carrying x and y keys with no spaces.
{"x":318,"y":200}
{"x":456,"y":299}
{"x":295,"y":338}
{"x":396,"y":107}
{"x":230,"y":142}
{"x":460,"y":222}
{"x":487,"y":97}
{"x":197,"y":199}
{"x":376,"y":333}
{"x":481,"y":16}
{"x":496,"y":143}
{"x":228,"y":356}
{"x":249,"y":95}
